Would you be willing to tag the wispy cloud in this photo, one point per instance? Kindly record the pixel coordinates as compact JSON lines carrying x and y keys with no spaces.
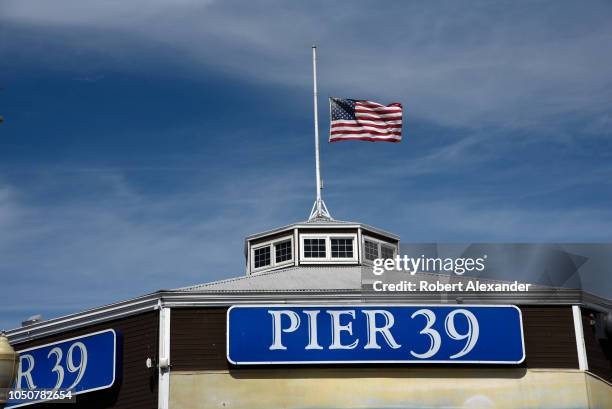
{"x":516,"y":64}
{"x":465,"y":219}
{"x":107,"y":241}
{"x":508,"y":128}
{"x":74,"y":240}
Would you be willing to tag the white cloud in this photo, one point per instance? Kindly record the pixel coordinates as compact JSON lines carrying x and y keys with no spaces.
{"x":110,"y":13}
{"x":94,"y":237}
{"x":529,"y":65}
{"x":109,"y":242}
{"x":532,"y":65}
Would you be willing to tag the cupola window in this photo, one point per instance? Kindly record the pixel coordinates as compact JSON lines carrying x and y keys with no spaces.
{"x":374,"y":248}
{"x":314,"y":248}
{"x":282,"y":251}
{"x":272,"y":254}
{"x":262,"y":257}
{"x":371,"y":250}
{"x":387,"y":251}
{"x":342,"y":247}
{"x":328,"y":248}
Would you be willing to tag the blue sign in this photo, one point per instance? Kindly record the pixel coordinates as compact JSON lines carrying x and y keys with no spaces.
{"x":76,"y":365}
{"x":320,"y":334}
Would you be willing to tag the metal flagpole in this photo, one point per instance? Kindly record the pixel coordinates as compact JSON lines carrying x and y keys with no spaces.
{"x":318,"y":209}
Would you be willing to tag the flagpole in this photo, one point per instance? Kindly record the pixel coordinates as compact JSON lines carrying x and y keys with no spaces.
{"x":319,"y":209}
{"x":316,"y":125}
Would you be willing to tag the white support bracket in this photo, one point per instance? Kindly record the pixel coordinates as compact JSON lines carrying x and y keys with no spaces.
{"x":163,"y":395}
{"x":319,"y":210}
{"x":583,"y":363}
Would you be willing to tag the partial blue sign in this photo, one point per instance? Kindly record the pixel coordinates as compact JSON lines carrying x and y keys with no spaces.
{"x":320,"y":334}
{"x":79,"y":365}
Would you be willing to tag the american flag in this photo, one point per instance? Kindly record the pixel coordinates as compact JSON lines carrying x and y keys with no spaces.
{"x":364,"y":121}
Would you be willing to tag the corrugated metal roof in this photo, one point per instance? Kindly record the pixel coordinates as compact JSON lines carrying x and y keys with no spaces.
{"x":328,"y":278}
{"x":306,"y":278}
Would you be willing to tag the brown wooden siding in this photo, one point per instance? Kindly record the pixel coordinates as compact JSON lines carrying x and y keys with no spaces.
{"x":198,"y":338}
{"x":136,"y":385}
{"x":599,"y":351}
{"x":352,"y":230}
{"x":285,"y":233}
{"x":375,"y":235}
{"x":550,"y":340}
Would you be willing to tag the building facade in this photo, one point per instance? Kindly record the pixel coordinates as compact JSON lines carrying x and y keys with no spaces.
{"x":171,"y":349}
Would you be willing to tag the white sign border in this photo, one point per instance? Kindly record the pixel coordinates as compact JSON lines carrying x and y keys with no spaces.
{"x":68,"y":340}
{"x":408,"y":361}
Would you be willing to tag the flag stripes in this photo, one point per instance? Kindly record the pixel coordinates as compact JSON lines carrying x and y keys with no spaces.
{"x":365,"y":120}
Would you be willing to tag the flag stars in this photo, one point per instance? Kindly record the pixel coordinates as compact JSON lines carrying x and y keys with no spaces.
{"x":342,"y":109}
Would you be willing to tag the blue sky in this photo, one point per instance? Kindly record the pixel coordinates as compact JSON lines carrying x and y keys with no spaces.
{"x":144,"y":139}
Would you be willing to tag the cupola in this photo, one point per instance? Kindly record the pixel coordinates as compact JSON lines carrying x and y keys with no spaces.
{"x":318,"y":241}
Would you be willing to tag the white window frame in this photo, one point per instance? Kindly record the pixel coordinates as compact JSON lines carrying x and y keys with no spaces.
{"x":328,"y":259}
{"x":379,"y":243}
{"x":273,"y":263}
{"x":288,"y":261}
{"x":393,"y":247}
